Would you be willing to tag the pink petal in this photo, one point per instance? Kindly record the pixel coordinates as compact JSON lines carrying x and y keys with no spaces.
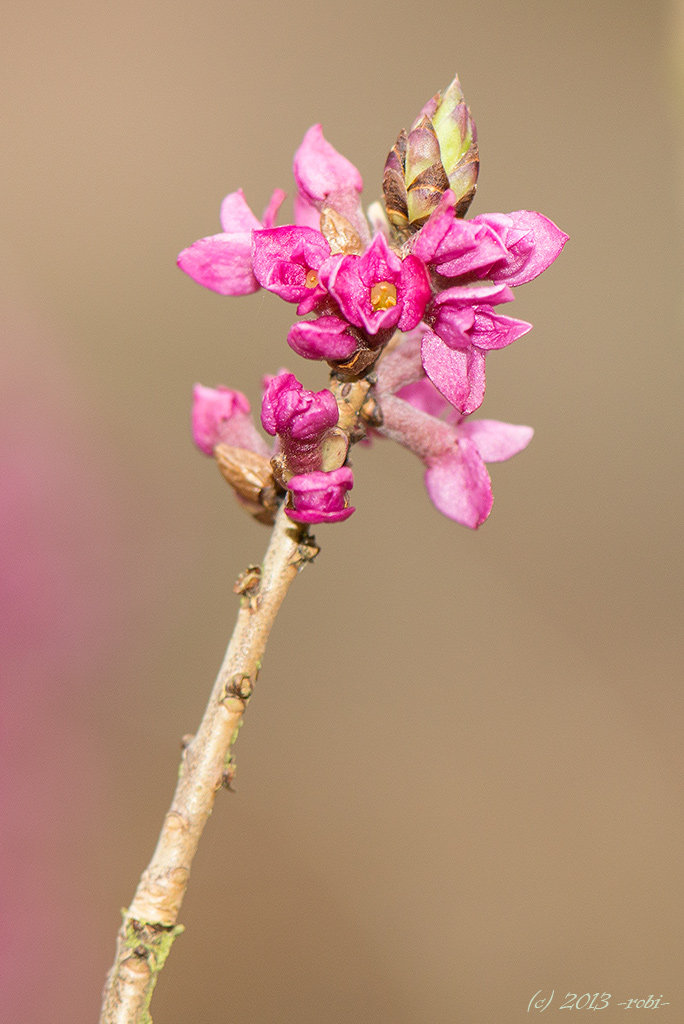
{"x":319,"y":516}
{"x":379,"y":263}
{"x":451,"y":263}
{"x":428,"y":240}
{"x":271,"y":211}
{"x":494,"y":440}
{"x":459,"y":486}
{"x":454,"y":323}
{"x":532,"y":242}
{"x":455,"y":246}
{"x":223,"y":415}
{"x":340,"y":275}
{"x":306,"y":214}
{"x":492,"y":331}
{"x":324,"y":338}
{"x":320,"y":170}
{"x":458,"y":373}
{"x":423,"y":395}
{"x":221,"y":262}
{"x":471,"y":295}
{"x":320,"y":497}
{"x":282,"y":259}
{"x":413,"y":293}
{"x":236,"y":216}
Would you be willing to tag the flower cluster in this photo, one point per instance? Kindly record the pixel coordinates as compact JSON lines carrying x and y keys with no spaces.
{"x":402,"y":298}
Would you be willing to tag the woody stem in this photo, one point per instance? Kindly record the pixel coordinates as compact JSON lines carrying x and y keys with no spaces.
{"x":150,"y":923}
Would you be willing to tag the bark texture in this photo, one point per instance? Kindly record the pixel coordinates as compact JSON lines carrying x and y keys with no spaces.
{"x":149,"y":925}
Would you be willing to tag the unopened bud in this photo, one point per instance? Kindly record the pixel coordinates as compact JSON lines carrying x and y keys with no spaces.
{"x":457,"y":136}
{"x":425,"y":177}
{"x":439,"y":153}
{"x":320,"y":497}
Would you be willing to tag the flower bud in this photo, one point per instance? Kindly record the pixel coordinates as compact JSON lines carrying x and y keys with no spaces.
{"x":327,"y":337}
{"x":439,"y":153}
{"x":457,"y":136}
{"x":301,"y":420}
{"x":320,"y":497}
{"x":222,"y":416}
{"x":425,"y":177}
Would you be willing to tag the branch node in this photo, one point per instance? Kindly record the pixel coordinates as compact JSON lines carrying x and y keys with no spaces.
{"x":228,"y":776}
{"x":247,"y":586}
{"x":307,"y":550}
{"x":240,"y":686}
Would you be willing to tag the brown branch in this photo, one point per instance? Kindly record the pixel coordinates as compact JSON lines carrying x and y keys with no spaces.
{"x":149,"y":925}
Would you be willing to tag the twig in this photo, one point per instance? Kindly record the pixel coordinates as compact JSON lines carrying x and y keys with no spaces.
{"x":149,"y":925}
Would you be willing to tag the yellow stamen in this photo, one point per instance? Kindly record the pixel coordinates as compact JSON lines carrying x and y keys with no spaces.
{"x":383,"y":295}
{"x":311,"y":279}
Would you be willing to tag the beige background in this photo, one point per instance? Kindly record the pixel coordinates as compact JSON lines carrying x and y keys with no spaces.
{"x":460,"y":779}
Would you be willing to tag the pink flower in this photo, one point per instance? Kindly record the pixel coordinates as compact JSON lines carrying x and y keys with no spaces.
{"x":454,"y":451}
{"x":507,"y":249}
{"x":222,"y":416}
{"x":532,"y":242}
{"x":365,"y":290}
{"x":327,"y":180}
{"x":454,"y":247}
{"x":510,"y":248}
{"x":286,"y":261}
{"x":457,"y":479}
{"x":463,"y":329}
{"x":320,"y":497}
{"x":300,"y":418}
{"x":223,"y":262}
{"x":417,"y":304}
{"x":288,"y":408}
{"x":378,"y":290}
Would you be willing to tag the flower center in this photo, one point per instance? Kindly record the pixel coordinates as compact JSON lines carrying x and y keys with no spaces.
{"x":383,"y":295}
{"x":311,"y":279}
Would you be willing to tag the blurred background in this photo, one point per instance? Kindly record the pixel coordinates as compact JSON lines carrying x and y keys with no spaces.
{"x":460,"y":779}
